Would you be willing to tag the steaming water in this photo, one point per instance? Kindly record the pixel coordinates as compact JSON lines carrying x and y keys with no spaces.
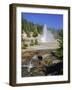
{"x":47,"y":36}
{"x":29,"y":66}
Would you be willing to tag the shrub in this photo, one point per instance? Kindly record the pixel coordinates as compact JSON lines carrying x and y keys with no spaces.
{"x":59,"y":51}
{"x":36,"y":42}
{"x":35,"y":34}
{"x":25,"y":46}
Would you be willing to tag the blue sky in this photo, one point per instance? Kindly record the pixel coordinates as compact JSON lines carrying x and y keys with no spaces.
{"x":51,"y":20}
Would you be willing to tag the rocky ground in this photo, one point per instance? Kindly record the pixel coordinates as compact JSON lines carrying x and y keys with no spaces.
{"x":44,"y":63}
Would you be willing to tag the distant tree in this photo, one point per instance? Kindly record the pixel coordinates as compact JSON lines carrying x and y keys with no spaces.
{"x":28,"y":34}
{"x":39,"y":29}
{"x":28,"y":26}
{"x":35,"y":32}
{"x":32,"y":43}
{"x":36,"y":42}
{"x":59,"y":51}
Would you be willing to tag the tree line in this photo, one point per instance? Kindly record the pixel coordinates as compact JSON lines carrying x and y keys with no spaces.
{"x":29,"y":27}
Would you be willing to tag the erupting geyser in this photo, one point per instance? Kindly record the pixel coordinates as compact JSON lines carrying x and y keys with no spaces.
{"x":47,"y":36}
